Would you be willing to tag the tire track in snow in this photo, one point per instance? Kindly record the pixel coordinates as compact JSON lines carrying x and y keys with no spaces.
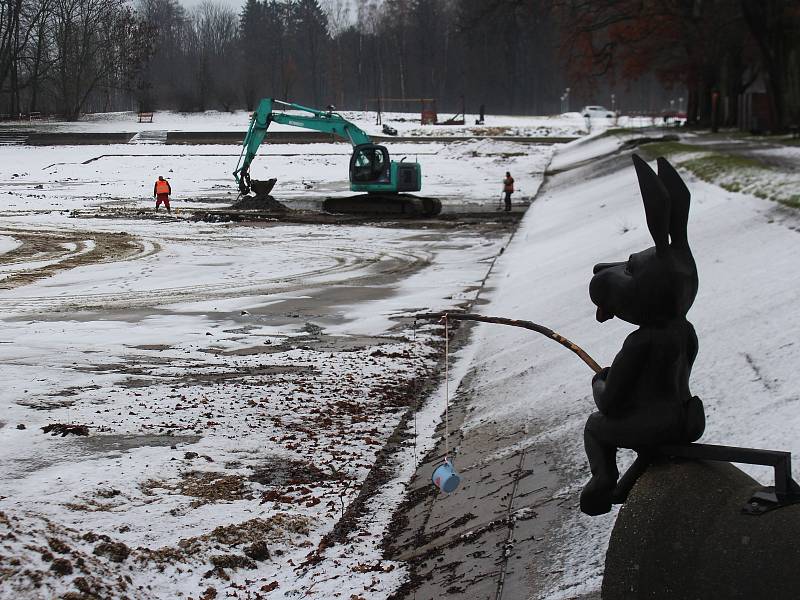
{"x":42,"y":254}
{"x":342,"y":261}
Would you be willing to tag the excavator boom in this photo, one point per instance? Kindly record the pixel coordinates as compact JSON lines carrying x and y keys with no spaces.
{"x":317,"y":120}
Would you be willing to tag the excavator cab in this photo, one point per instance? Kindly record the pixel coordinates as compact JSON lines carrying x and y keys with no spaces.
{"x":373,"y":172}
{"x":370,"y":164}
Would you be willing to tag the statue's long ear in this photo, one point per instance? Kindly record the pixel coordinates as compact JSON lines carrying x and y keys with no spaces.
{"x":656,"y":203}
{"x":679,"y":202}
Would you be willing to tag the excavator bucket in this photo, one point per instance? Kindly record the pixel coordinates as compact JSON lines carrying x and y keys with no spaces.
{"x":260,"y":200}
{"x":262,"y":188}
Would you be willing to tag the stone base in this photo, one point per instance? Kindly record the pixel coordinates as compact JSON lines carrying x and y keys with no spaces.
{"x":682,"y":536}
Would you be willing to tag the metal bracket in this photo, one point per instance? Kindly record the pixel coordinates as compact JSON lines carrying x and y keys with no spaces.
{"x":766,"y":500}
{"x":785,"y":492}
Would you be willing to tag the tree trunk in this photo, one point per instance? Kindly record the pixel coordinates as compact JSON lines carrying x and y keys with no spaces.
{"x":765,"y":20}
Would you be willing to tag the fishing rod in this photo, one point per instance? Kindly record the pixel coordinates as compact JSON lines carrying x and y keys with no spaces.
{"x":545,"y":331}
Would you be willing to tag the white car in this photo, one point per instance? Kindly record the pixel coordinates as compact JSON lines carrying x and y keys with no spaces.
{"x":597,"y":112}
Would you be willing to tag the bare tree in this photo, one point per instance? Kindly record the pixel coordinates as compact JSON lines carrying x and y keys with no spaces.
{"x":775,"y":26}
{"x":253,"y":61}
{"x":94,"y":43}
{"x":162,"y":77}
{"x":211,"y":35}
{"x":311,"y":31}
{"x":20,"y":22}
{"x":338,"y":12}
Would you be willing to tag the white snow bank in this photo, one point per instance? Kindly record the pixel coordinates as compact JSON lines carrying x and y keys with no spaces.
{"x":745,"y":315}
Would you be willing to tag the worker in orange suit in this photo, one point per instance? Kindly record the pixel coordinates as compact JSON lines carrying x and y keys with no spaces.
{"x":508,"y":189}
{"x":162,"y":190}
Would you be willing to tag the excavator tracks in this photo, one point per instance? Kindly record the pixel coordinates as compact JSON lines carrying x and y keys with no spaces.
{"x":384,"y":204}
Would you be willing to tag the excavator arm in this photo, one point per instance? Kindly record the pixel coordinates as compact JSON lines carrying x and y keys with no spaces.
{"x":316,"y":120}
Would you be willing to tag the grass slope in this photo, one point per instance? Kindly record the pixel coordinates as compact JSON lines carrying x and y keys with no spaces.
{"x":732,"y":172}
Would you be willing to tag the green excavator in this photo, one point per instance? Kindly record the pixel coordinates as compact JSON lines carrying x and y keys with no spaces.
{"x":385,"y":181}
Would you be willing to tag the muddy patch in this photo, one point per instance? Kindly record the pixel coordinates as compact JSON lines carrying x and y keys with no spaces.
{"x":63,"y":398}
{"x":315,"y":339}
{"x":262,"y":533}
{"x":52,"y":402}
{"x":41,"y":254}
{"x":197,"y":373}
{"x":101,"y":500}
{"x":265,"y":348}
{"x":152,"y":347}
{"x":213,"y":487}
{"x":65,"y":429}
{"x":100,"y":444}
{"x":259,"y":202}
{"x":204,"y":487}
{"x":213,"y":378}
{"x":279,"y":472}
{"x":95,"y":565}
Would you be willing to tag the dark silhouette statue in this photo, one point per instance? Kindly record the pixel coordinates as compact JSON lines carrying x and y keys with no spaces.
{"x":643,"y":398}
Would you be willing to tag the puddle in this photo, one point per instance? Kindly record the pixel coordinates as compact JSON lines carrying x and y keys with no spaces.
{"x":156,"y":347}
{"x":118,"y":443}
{"x":72,"y":449}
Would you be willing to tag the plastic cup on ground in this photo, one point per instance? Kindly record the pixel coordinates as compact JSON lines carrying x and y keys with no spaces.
{"x":445,"y":477}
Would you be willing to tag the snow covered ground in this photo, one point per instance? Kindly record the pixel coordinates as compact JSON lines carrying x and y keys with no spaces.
{"x":78,"y":177}
{"x":745,"y":315}
{"x":238,"y":382}
{"x":209,"y":373}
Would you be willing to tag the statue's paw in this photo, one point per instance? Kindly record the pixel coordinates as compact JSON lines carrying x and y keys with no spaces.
{"x":619,"y":495}
{"x":596,"y":497}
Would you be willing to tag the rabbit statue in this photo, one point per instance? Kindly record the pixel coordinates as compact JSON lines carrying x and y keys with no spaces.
{"x":643,"y":398}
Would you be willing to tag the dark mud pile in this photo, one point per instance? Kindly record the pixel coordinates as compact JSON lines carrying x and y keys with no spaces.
{"x":259,"y":203}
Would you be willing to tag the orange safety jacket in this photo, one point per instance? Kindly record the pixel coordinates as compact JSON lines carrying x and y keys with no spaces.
{"x":508,"y":185}
{"x":162,"y":187}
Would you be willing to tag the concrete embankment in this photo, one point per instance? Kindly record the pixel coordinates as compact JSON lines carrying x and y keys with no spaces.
{"x":513,"y":529}
{"x":497,"y":535}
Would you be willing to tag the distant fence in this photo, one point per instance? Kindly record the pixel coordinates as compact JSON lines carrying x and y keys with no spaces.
{"x":28,"y":117}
